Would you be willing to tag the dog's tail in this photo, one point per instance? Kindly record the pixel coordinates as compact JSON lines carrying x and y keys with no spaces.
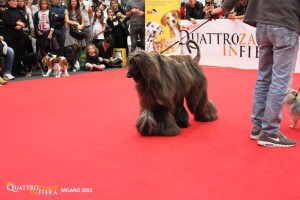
{"x":196,"y":46}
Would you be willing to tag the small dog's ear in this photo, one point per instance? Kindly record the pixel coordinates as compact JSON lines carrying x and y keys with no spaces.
{"x":148,"y":24}
{"x":177,"y":13}
{"x":163,"y":20}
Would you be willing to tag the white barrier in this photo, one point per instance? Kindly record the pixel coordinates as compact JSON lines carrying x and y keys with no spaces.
{"x":225,"y":43}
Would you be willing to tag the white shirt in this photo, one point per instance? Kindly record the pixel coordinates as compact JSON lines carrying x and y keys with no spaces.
{"x":96,"y":28}
{"x":44,"y":22}
{"x":85,"y":12}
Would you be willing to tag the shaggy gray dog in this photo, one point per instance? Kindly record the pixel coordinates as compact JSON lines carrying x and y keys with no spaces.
{"x":293,"y":103}
{"x":162,"y":83}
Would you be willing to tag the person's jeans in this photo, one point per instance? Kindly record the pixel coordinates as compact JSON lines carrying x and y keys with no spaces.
{"x":278,"y":48}
{"x":9,"y":59}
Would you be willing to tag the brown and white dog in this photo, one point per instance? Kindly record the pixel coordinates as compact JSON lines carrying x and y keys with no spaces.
{"x":55,"y":63}
{"x":172,"y":20}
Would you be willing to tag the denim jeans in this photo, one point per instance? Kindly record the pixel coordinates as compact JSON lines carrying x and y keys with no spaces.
{"x":278,"y":48}
{"x":9,"y":59}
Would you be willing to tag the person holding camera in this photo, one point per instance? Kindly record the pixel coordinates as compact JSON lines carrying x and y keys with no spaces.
{"x":239,"y":10}
{"x":277,"y":36}
{"x":209,"y":5}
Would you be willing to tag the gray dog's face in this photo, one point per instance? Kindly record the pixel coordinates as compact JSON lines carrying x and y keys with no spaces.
{"x":292,"y":97}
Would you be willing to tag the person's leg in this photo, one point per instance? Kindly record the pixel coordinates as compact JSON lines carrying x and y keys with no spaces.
{"x":285,"y":47}
{"x":11,"y":42}
{"x":142,"y":36}
{"x":19,"y":54}
{"x":61,"y":41}
{"x":87,"y":38}
{"x":89,"y":66}
{"x":9,"y":59}
{"x":133,"y":36}
{"x":264,"y":78}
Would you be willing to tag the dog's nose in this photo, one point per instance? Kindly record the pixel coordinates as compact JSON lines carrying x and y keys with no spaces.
{"x":129,"y":75}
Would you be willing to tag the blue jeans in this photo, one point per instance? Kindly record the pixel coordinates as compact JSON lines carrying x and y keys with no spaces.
{"x":9,"y":59}
{"x":278,"y":48}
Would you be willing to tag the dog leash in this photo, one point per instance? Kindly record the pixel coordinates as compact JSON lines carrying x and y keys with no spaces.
{"x":186,"y":36}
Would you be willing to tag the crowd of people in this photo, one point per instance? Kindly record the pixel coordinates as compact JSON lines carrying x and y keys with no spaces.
{"x":43,"y":26}
{"x":194,"y":9}
{"x":31,"y":26}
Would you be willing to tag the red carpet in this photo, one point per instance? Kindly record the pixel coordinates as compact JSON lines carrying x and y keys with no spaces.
{"x":79,"y":132}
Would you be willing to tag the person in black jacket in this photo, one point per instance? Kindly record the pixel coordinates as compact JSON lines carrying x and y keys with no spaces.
{"x":14,"y":22}
{"x":106,"y":54}
{"x":194,"y":10}
{"x":116,"y":29}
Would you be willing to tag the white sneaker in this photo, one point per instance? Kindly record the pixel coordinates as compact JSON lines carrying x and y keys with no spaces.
{"x":77,"y":65}
{"x":9,"y":76}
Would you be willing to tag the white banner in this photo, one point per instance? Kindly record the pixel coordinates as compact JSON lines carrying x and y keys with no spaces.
{"x":225,"y":43}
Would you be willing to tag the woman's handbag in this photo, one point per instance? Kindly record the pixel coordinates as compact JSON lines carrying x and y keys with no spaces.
{"x":77,"y":34}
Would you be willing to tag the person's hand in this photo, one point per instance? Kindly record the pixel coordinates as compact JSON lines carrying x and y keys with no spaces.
{"x":18,"y":27}
{"x":49,"y":36}
{"x":205,"y":9}
{"x":119,"y":14}
{"x":21,"y":24}
{"x":80,"y":27}
{"x":134,"y":10}
{"x":141,"y":13}
{"x":211,"y":16}
{"x":231,"y":16}
{"x":193,"y":21}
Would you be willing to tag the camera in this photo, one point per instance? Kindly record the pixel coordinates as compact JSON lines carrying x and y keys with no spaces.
{"x":208,"y":3}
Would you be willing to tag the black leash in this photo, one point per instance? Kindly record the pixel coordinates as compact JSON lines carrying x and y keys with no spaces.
{"x":186,"y":36}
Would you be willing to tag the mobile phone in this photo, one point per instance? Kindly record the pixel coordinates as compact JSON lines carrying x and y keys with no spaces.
{"x":208,"y":3}
{"x":136,"y":7}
